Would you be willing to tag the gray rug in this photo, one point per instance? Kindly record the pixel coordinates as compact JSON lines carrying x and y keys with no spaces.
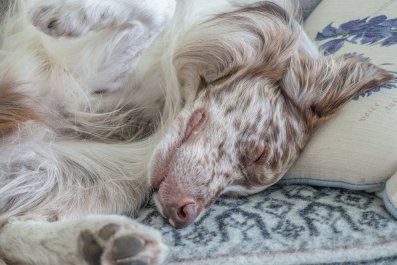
{"x":285,"y":225}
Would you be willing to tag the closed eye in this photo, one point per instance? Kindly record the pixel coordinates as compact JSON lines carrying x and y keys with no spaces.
{"x":258,"y":156}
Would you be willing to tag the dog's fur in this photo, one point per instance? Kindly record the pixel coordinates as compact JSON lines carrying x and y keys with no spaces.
{"x":221,"y":102}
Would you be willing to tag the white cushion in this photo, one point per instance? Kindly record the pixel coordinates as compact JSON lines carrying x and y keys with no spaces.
{"x":357,"y":148}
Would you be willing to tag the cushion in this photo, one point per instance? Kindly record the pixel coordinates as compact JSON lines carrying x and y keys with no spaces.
{"x":357,"y":149}
{"x":308,"y":6}
{"x":284,"y":225}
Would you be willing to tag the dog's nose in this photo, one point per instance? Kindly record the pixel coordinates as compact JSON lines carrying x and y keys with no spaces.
{"x":183,"y":214}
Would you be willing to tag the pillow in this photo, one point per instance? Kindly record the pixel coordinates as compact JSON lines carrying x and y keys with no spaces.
{"x":357,"y":149}
{"x":308,"y":6}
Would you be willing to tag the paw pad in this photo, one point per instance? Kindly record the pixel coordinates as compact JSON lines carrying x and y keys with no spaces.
{"x":91,"y":250}
{"x":118,"y":244}
{"x":127,"y":246}
{"x":108,"y":231}
{"x":52,"y":24}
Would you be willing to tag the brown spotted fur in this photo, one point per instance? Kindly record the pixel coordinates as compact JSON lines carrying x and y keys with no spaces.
{"x":264,"y":96}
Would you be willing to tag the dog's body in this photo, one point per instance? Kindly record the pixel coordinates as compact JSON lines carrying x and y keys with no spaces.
{"x":83,"y":88}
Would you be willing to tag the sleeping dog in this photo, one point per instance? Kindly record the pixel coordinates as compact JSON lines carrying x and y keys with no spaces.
{"x":103,"y":101}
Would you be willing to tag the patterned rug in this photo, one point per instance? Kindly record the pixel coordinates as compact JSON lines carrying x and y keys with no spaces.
{"x":285,"y":225}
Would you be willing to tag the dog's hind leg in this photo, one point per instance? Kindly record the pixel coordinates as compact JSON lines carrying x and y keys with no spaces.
{"x":73,"y":18}
{"x":125,"y":29}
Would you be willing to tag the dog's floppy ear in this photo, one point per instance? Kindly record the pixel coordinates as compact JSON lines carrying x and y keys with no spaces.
{"x":319,"y":87}
{"x":257,"y":39}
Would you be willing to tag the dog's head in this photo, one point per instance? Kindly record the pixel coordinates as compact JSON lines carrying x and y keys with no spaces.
{"x":258,"y":96}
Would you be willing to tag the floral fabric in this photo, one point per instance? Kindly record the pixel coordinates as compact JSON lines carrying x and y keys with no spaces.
{"x":357,"y":148}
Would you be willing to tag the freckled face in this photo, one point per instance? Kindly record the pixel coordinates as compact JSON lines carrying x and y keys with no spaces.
{"x":231,"y":139}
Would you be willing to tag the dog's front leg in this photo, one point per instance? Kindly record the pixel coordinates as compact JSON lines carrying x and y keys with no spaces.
{"x":93,"y":240}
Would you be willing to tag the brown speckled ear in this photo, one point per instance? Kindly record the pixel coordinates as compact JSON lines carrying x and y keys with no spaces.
{"x":320,"y":87}
{"x":257,"y":40}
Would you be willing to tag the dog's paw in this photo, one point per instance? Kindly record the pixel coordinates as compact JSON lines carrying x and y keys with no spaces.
{"x":73,"y":19}
{"x":60,"y":20}
{"x":121,"y":244}
{"x":91,"y":240}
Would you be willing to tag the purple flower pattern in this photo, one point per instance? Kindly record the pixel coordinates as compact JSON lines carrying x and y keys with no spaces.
{"x":390,"y":85}
{"x":366,"y":31}
{"x":377,"y":30}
